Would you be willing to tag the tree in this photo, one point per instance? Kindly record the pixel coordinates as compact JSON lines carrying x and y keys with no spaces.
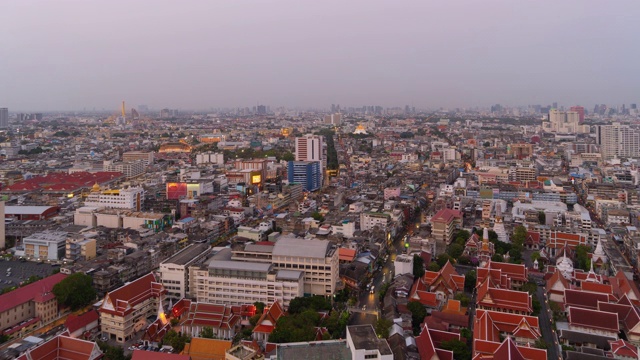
{"x":486,"y":144}
{"x":112,"y":352}
{"x":418,"y":266}
{"x":535,"y":256}
{"x":288,"y":156}
{"x":455,"y":250}
{"x":175,"y":340}
{"x":470,"y":281}
{"x":315,"y":303}
{"x":582,"y":257}
{"x":530,"y":287}
{"x":542,"y":217}
{"x":497,"y":257}
{"x":442,"y":259}
{"x":519,"y":235}
{"x":463,"y":298}
{"x":317,"y":216}
{"x":515,"y":254}
{"x":459,"y":348}
{"x":259,"y":307}
{"x":75,"y":291}
{"x":382,"y":327}
{"x":418,"y":313}
{"x":540,"y":344}
{"x":207,"y":332}
{"x":433,"y":266}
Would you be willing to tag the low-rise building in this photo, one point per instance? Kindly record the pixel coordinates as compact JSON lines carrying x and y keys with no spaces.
{"x":46,"y":245}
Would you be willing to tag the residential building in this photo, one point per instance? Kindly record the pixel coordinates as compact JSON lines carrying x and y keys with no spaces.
{"x":124,"y":311}
{"x":443,"y":224}
{"x":619,"y":141}
{"x":309,"y":148}
{"x":174,"y":272}
{"x":80,"y":248}
{"x":29,"y":306}
{"x":129,"y":169}
{"x":370,"y":220}
{"x":133,"y":156}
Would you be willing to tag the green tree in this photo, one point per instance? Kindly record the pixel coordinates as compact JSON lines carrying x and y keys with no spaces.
{"x":535,"y":256}
{"x":75,"y":291}
{"x":433,"y":266}
{"x":519,"y":235}
{"x":418,"y":313}
{"x":486,"y":144}
{"x":418,"y":266}
{"x":542,"y":217}
{"x":382,"y":327}
{"x":463,"y":298}
{"x":175,"y":340}
{"x":455,"y":250}
{"x":466,"y":333}
{"x":317,"y":216}
{"x":498,"y":258}
{"x":459,"y":348}
{"x":442,"y":259}
{"x":259,"y":307}
{"x":464,"y":260}
{"x":582,"y":257}
{"x":470,"y":281}
{"x":207,"y":332}
{"x":540,"y":344}
{"x":288,"y":156}
{"x":530,"y":287}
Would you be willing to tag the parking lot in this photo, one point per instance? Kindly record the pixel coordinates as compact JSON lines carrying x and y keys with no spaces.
{"x":21,"y":271}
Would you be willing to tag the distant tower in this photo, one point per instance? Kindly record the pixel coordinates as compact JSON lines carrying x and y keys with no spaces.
{"x":124,"y":112}
{"x":4,"y":117}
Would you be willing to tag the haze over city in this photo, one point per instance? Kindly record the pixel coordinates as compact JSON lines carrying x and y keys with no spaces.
{"x":70,"y":55}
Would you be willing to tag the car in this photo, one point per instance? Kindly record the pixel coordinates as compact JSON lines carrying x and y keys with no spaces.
{"x":104,"y":338}
{"x":364,"y":307}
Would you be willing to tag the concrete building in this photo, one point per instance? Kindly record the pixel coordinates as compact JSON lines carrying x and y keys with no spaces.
{"x":210,"y":158}
{"x":174,"y":272}
{"x":46,"y":245}
{"x":317,"y":258}
{"x":121,"y":219}
{"x":309,"y":148}
{"x":369,"y":220}
{"x":133,"y":156}
{"x":129,"y":169}
{"x":79,"y":248}
{"x":229,"y":282}
{"x":365,"y":344}
{"x":444,"y":223}
{"x":124,"y":311}
{"x":333,"y":119}
{"x":403,"y":264}
{"x":29,"y":306}
{"x":129,"y":198}
{"x":619,"y":141}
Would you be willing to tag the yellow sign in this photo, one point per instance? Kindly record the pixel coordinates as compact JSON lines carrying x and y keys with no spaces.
{"x":255,"y":179}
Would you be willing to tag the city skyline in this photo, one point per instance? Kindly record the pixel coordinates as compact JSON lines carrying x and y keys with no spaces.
{"x":198,"y":55}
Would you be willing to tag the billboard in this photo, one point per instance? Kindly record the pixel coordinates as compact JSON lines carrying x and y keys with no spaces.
{"x":176,"y":191}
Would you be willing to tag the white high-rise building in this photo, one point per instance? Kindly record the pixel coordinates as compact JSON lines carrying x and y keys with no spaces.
{"x":309,"y":148}
{"x":565,"y":122}
{"x":616,"y":140}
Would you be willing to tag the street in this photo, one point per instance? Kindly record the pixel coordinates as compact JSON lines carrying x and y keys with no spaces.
{"x":546,"y":328}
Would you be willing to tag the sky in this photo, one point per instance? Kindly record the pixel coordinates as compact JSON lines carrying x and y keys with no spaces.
{"x":188,"y":54}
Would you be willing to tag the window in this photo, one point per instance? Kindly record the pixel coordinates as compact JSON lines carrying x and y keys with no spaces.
{"x":371,"y":356}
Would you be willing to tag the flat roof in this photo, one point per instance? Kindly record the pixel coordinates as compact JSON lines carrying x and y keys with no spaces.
{"x":288,"y":246}
{"x":259,"y":248}
{"x":26,"y":210}
{"x":364,"y":337}
{"x":239,"y":265}
{"x":289,"y":274}
{"x":187,"y":254}
{"x":315,"y":350}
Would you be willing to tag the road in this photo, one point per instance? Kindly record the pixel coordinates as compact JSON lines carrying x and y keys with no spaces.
{"x":371,"y":300}
{"x":546,"y":328}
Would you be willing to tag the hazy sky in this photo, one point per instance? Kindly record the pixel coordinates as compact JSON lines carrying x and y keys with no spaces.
{"x":59,"y":55}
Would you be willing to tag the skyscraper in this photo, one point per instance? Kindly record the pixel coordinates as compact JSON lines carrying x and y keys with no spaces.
{"x":580,"y":111}
{"x":309,"y":148}
{"x":4,"y":118}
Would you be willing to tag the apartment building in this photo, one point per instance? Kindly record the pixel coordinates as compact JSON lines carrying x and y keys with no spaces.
{"x":129,"y":169}
{"x":133,"y":156}
{"x":443,"y":224}
{"x":46,"y":245}
{"x":79,"y":248}
{"x":225,"y":281}
{"x":124,"y":311}
{"x":174,"y":272}
{"x":369,"y":220}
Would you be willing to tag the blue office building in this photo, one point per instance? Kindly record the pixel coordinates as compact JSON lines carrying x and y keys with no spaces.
{"x":307,"y":173}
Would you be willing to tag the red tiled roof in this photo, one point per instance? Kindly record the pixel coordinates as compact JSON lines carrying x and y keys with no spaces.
{"x":30,"y":292}
{"x":122,"y":300}
{"x":583,"y":299}
{"x":593,"y":319}
{"x":346,"y":254}
{"x":64,"y":347}
{"x":269,"y":318}
{"x":622,"y":348}
{"x":152,"y":355}
{"x":504,"y":299}
{"x":75,"y":322}
{"x":59,"y":181}
{"x":446,"y":215}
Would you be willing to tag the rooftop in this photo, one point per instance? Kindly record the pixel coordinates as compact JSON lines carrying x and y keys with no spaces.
{"x":186,"y":255}
{"x":26,"y":210}
{"x":288,"y":246}
{"x":239,"y":265}
{"x":29,"y":292}
{"x":316,"y":350}
{"x":364,"y":337}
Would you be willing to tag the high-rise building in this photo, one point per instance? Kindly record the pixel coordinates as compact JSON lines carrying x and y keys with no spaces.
{"x":309,"y":148}
{"x":333,"y":119}
{"x":307,"y":173}
{"x":620,"y":141}
{"x":565,"y":122}
{"x":580,"y":111}
{"x":4,"y":118}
